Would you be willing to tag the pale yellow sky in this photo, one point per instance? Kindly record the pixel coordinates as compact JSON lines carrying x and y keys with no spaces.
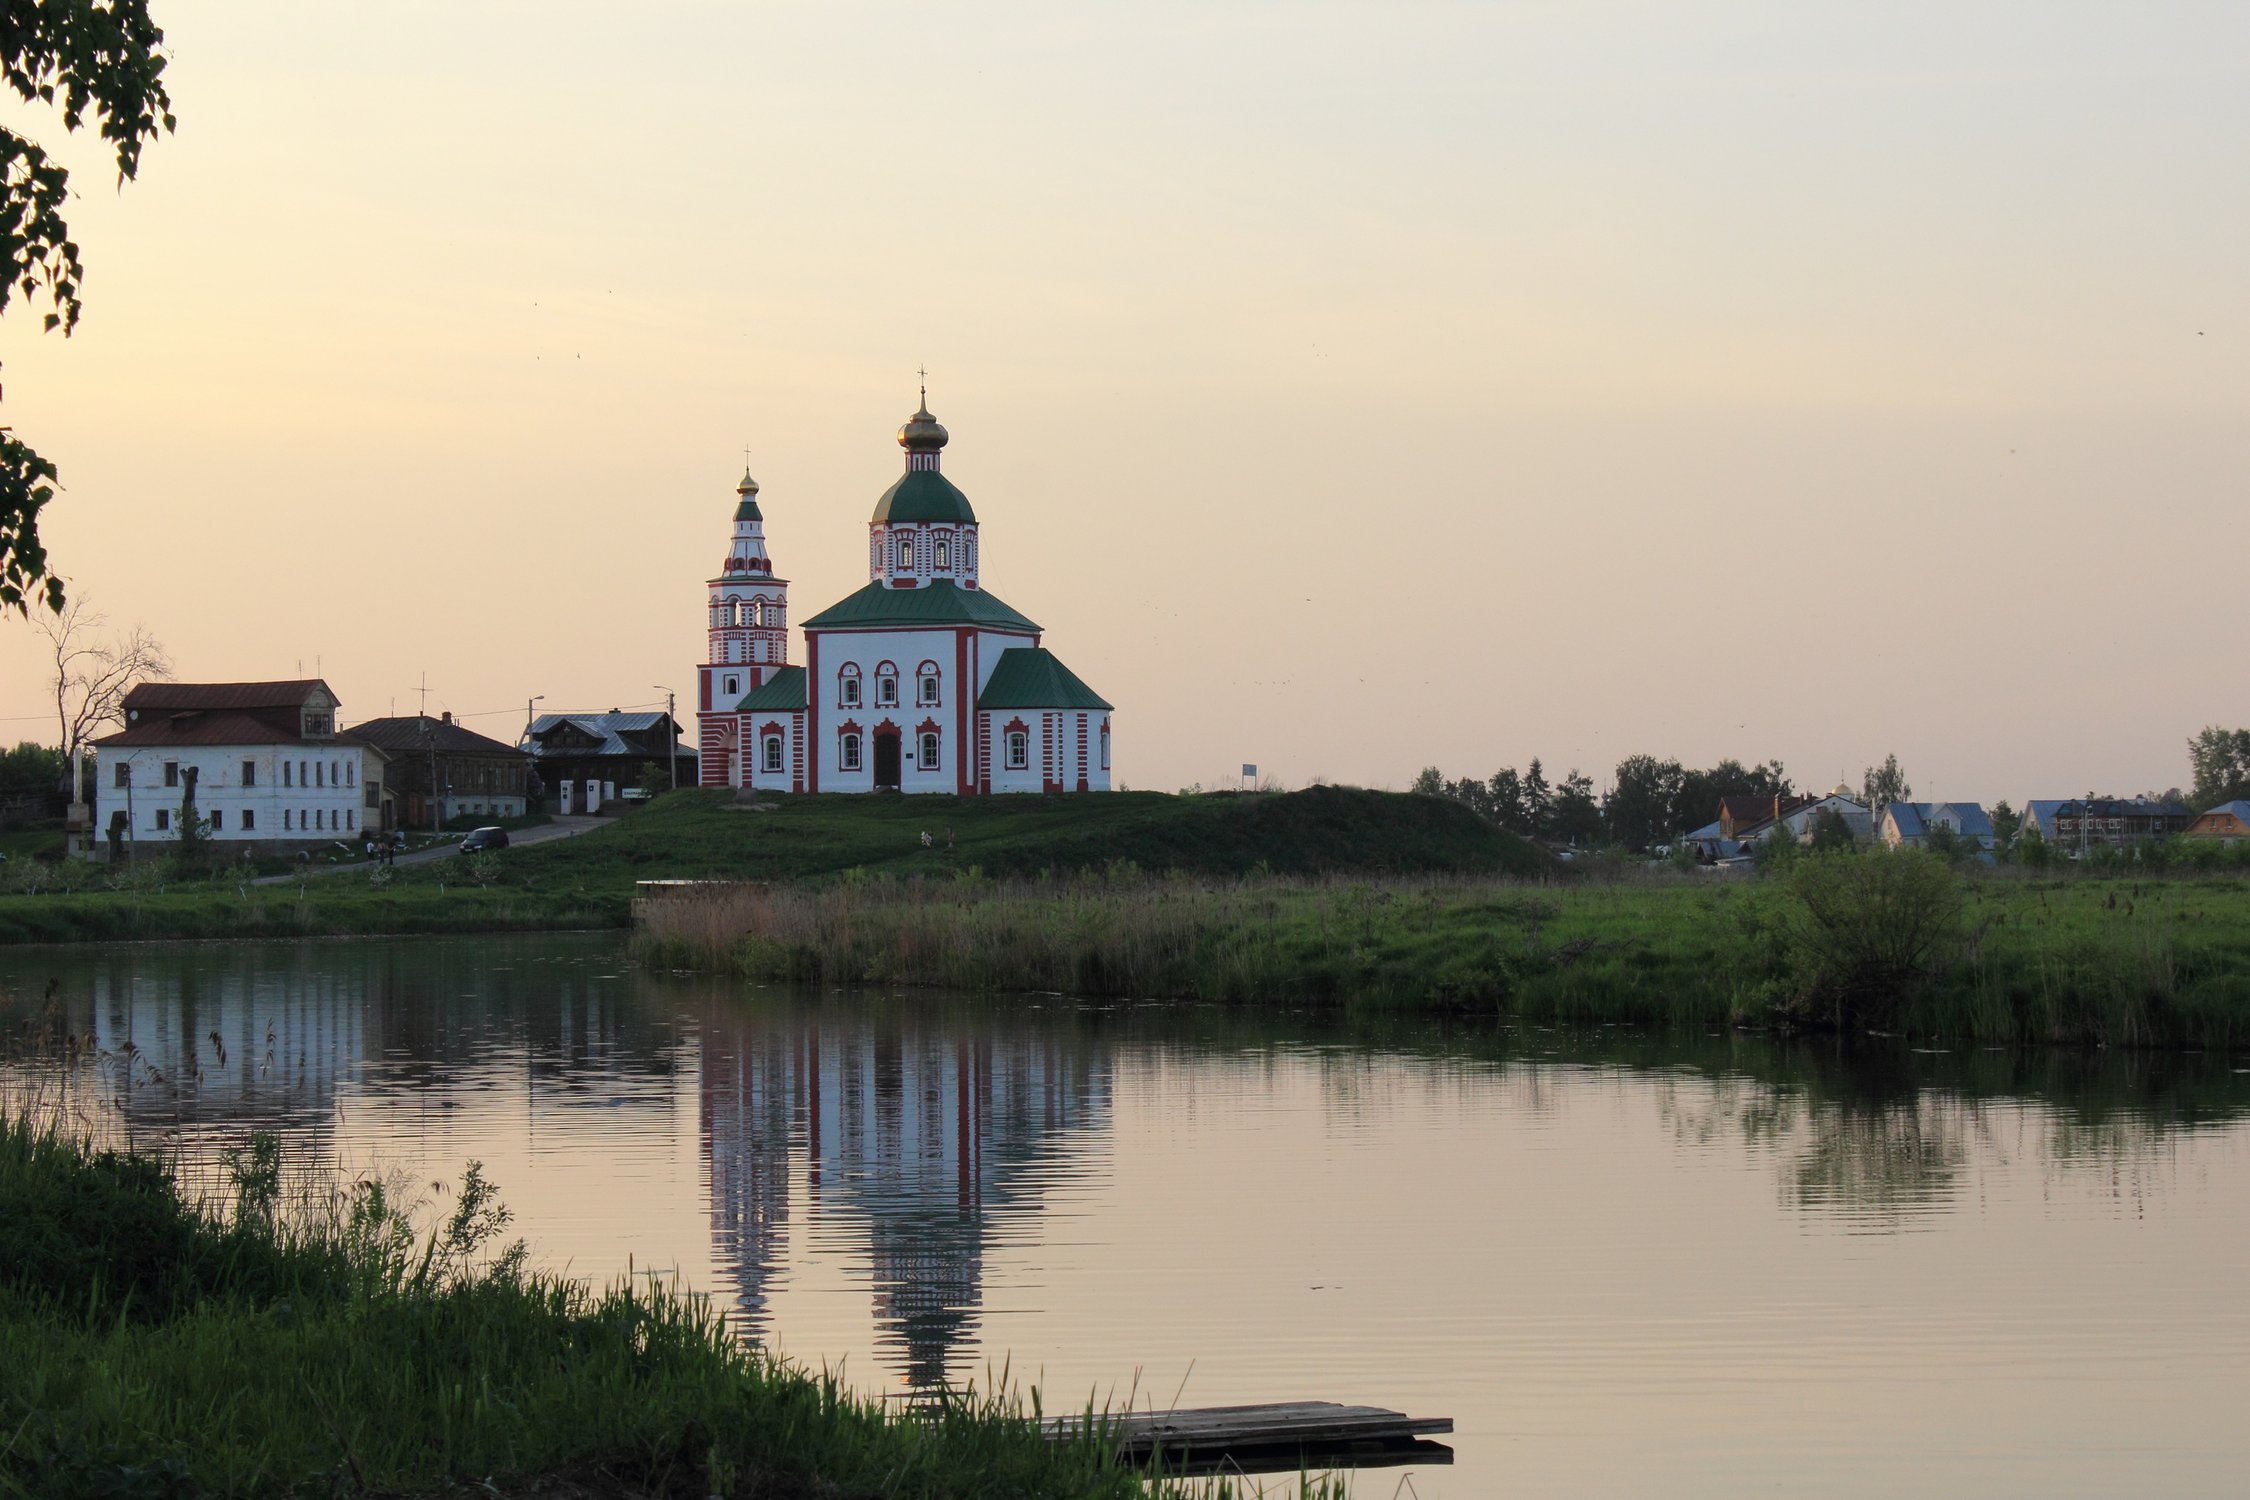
{"x":1345,"y":387}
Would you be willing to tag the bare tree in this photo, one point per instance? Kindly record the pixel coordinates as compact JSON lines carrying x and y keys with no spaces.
{"x":93,"y":672}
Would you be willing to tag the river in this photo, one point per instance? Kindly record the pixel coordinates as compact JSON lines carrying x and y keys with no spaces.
{"x":1705,"y":1265}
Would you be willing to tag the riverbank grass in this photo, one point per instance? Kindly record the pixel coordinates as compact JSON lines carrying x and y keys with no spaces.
{"x":318,"y":1344}
{"x":1873,"y":942}
{"x":588,"y":881}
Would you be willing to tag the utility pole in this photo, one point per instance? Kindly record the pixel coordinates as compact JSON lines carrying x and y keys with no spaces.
{"x":527,"y":717}
{"x":672,"y":747}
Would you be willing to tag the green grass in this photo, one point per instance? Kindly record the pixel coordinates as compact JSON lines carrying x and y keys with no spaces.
{"x":156,"y":1346}
{"x":588,"y":881}
{"x":2121,"y":963}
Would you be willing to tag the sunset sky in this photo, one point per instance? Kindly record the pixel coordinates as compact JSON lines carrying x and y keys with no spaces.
{"x":1344,"y":388}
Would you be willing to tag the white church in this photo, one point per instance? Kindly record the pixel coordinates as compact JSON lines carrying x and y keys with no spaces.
{"x":920,"y":682}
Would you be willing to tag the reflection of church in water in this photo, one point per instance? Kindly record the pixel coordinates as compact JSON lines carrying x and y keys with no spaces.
{"x":927,"y":1142}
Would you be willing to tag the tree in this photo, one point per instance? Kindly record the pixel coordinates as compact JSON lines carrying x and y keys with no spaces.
{"x":1832,"y":833}
{"x":1573,"y":814}
{"x":1884,"y":785}
{"x":30,"y":770}
{"x":2006,"y":824}
{"x":1506,"y":791}
{"x":95,"y":57}
{"x":92,"y":676}
{"x":2220,"y":759}
{"x":1642,"y":807}
{"x":1537,"y":813}
{"x":1697,"y":801}
{"x":1431,"y":783}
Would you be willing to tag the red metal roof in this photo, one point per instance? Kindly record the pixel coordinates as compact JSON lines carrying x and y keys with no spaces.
{"x":193,"y":728}
{"x":173,"y":696}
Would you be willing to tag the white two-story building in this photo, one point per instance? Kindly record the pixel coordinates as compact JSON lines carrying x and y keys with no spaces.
{"x":260,"y":765}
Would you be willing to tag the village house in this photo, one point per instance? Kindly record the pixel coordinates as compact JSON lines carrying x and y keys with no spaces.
{"x":259,"y":765}
{"x":1911,"y":825}
{"x":2073,"y":825}
{"x":2229,"y":823}
{"x":1738,"y":815}
{"x":921,"y":681}
{"x":1802,"y":821}
{"x":441,"y":771}
{"x":586,"y":761}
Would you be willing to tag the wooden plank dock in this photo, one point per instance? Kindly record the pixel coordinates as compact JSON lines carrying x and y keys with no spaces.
{"x":1283,"y":1436}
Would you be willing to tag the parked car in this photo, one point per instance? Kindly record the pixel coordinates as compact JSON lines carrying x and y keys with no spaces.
{"x":481,"y":839}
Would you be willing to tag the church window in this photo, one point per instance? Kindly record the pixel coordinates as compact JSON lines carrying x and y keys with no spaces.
{"x":847,"y":687}
{"x":1019,"y":750}
{"x":906,"y":552}
{"x":1105,"y":745}
{"x":851,"y":752}
{"x":943,"y":552}
{"x":886,"y":687}
{"x":733,"y":685}
{"x":773,"y":752}
{"x":926,"y":684}
{"x":929,"y":751}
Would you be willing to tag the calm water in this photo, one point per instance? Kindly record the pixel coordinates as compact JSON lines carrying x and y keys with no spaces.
{"x":1710,"y":1266}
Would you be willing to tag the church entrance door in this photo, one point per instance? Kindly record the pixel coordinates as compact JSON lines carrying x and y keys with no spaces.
{"x":886,"y":760}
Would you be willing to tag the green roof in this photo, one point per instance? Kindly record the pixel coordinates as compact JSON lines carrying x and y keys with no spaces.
{"x":924,"y":495}
{"x":939,"y":603}
{"x":747,"y":510}
{"x":784,"y":690}
{"x":1031,"y":677}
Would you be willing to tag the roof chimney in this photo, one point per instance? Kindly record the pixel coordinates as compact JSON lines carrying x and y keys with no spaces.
{"x":446,"y":717}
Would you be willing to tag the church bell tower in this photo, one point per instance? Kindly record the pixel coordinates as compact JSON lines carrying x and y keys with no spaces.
{"x":748,"y":628}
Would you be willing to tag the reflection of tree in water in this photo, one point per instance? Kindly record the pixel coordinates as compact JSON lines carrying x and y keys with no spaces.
{"x":932,"y":1132}
{"x":1884,"y":1136}
{"x":195,"y":1041}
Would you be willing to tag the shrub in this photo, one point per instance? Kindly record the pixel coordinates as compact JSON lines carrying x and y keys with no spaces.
{"x":1866,"y":930}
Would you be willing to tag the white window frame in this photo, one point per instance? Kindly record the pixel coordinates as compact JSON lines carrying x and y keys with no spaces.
{"x":927,"y":743}
{"x":773,"y":754}
{"x":848,"y":755}
{"x":1018,"y":750}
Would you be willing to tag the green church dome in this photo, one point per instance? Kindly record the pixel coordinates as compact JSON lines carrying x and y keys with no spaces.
{"x":924,"y":495}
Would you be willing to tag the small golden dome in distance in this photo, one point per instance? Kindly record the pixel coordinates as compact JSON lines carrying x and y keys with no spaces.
{"x":922,"y":433}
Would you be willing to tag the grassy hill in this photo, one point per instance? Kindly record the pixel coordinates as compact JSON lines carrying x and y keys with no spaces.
{"x":588,"y":881}
{"x":1316,"y":831}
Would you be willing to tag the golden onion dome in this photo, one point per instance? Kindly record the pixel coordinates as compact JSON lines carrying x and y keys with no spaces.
{"x":922,"y":433}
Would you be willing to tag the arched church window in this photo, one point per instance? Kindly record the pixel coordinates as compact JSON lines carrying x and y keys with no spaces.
{"x":1019,"y":750}
{"x":943,"y":554}
{"x":906,"y":552}
{"x":773,"y":752}
{"x":847,"y":685}
{"x":926,"y":684}
{"x":850,"y":752}
{"x":929,"y":751}
{"x":886,"y":686}
{"x":1105,"y":744}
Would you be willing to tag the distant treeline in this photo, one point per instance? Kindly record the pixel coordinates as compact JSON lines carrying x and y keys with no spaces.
{"x":1649,"y":802}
